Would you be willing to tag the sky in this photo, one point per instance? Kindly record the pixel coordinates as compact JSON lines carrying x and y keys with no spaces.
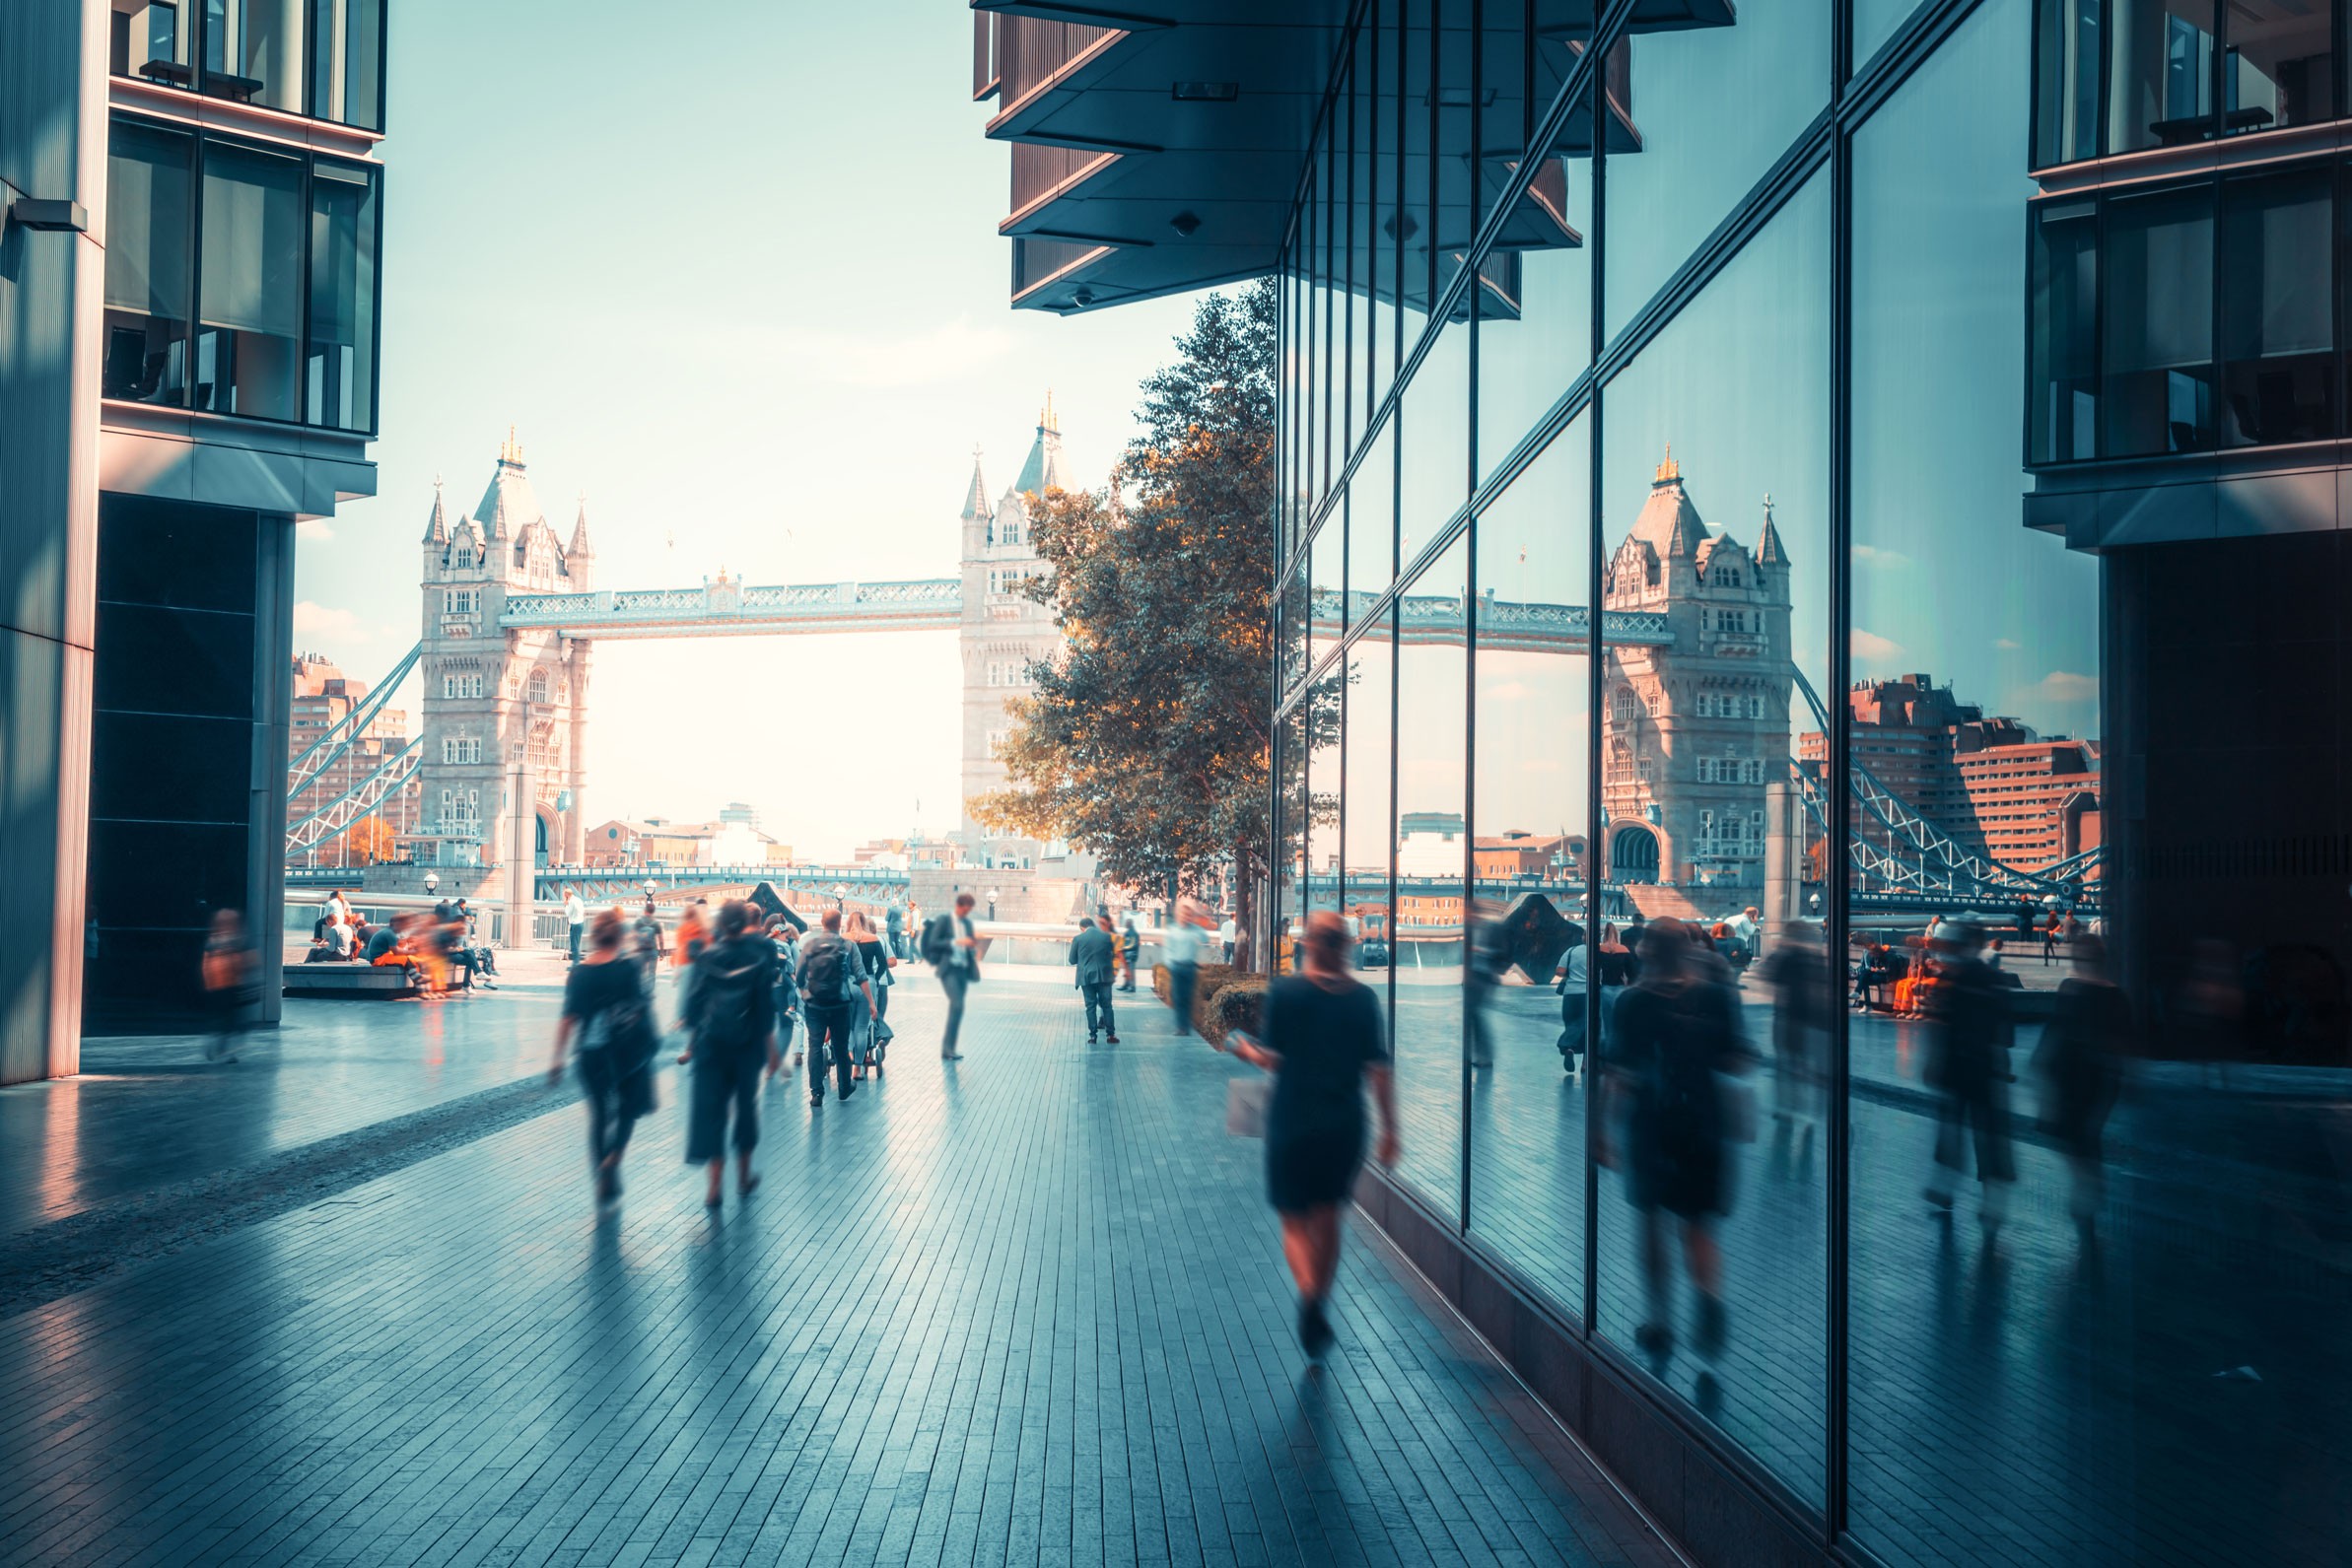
{"x":759,"y":318}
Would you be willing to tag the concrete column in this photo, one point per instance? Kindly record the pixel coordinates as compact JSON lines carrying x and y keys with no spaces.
{"x":521,"y":810}
{"x":52,"y":148}
{"x":1785,"y":859}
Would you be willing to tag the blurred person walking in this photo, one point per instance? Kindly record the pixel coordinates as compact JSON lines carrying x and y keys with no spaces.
{"x":1488,"y":961}
{"x":1321,"y":1038}
{"x":1131,"y":948}
{"x":1573,"y":979}
{"x":873,"y":1032}
{"x":894,"y":928}
{"x":608,"y":1022}
{"x":2080,"y":1062}
{"x":1968,"y":1066}
{"x":575,"y":918}
{"x":229,"y":990}
{"x":786,"y":942}
{"x":1094,"y":963}
{"x":832,"y":986}
{"x":730,"y":1007}
{"x":952,"y":948}
{"x":645,"y":938}
{"x":1674,"y":1040}
{"x":1797,"y":973}
{"x":1180,"y":947}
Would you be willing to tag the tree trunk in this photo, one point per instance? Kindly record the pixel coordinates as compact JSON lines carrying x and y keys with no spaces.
{"x":1245,"y":912}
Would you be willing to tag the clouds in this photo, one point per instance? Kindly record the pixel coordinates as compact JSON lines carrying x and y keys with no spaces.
{"x":2064,"y":686}
{"x":1871,"y":647}
{"x":317,"y":624}
{"x":1884,"y":560}
{"x":312,"y":530}
{"x":2007,"y":644}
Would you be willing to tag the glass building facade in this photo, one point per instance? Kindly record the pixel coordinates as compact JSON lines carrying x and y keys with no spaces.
{"x":1839,"y":475}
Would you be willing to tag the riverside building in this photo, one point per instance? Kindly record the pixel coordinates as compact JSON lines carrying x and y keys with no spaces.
{"x":1650,"y":370}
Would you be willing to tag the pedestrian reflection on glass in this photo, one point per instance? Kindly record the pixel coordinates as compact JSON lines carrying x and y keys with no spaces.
{"x":2080,"y":1065}
{"x":1966,"y":1010}
{"x":1323,"y":1040}
{"x":1488,"y":961}
{"x":1797,"y":973}
{"x":1676,"y":1056}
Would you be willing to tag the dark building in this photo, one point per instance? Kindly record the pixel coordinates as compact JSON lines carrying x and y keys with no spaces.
{"x":2028,"y":316}
{"x":188,"y":294}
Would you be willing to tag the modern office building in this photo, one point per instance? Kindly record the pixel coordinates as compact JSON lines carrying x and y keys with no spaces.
{"x":189,"y":296}
{"x":2027,"y":317}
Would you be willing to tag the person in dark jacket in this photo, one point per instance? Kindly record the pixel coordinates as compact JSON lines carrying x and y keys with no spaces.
{"x":1797,"y":973}
{"x":1674,"y":1039}
{"x":833,"y":991}
{"x":1094,"y":956}
{"x":730,"y":1007}
{"x":1968,"y":1066}
{"x":1321,"y":1038}
{"x":608,"y":1021}
{"x":2080,"y":1062}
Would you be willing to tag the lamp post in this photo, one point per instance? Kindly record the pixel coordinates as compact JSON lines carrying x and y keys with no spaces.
{"x":841,"y":893}
{"x":991,"y":905}
{"x":650,"y":887}
{"x":432,"y":883}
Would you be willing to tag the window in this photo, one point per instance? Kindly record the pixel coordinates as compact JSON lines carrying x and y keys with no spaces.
{"x":461,"y":748}
{"x":538,"y":686}
{"x":2156,"y":319}
{"x":347,"y":61}
{"x":249,"y":329}
{"x":148,"y":183}
{"x":2278,"y":336}
{"x":2161,"y":57}
{"x":2066,"y":56}
{"x":340,"y":375}
{"x":460,"y":601}
{"x":461,"y":686}
{"x":319,"y":57}
{"x":2063,"y":342}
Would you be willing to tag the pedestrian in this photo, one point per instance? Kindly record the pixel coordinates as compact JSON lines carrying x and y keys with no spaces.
{"x":1489,"y":960}
{"x":645,"y":935}
{"x":1968,"y":1066}
{"x":952,"y":948}
{"x":831,"y":986}
{"x":480,"y":962}
{"x":787,"y":986}
{"x":1131,"y":948}
{"x":730,"y":1007}
{"x":2049,"y":938}
{"x":1180,"y":947}
{"x":2080,"y":1062}
{"x":873,"y":1035}
{"x":894,"y":928}
{"x":1226,"y":934}
{"x":608,"y":1021}
{"x":229,"y":990}
{"x":1094,"y":961}
{"x":1573,"y":979}
{"x":575,"y":917}
{"x":1798,"y":975}
{"x":338,"y":908}
{"x":1321,"y":1036}
{"x":1675,"y":1039}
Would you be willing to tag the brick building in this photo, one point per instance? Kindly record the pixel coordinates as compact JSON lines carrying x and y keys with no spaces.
{"x":322,"y":698}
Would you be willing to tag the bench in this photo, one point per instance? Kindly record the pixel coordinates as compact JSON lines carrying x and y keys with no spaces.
{"x":376,"y":981}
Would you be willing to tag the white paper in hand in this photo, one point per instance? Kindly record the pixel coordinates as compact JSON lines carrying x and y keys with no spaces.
{"x":1245,"y":1106}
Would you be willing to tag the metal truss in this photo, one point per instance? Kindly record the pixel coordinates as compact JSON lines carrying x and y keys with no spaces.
{"x":334,"y":819}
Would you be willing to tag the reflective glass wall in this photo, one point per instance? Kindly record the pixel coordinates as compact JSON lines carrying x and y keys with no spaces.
{"x":1864,"y":954}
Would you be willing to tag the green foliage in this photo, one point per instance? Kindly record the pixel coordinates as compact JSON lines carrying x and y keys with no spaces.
{"x":1148,"y":743}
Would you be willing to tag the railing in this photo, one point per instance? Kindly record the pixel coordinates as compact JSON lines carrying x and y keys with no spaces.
{"x":934,"y":597}
{"x":1501,"y":622}
{"x":1030,"y":54}
{"x":1038,"y":262}
{"x":1040,"y":174}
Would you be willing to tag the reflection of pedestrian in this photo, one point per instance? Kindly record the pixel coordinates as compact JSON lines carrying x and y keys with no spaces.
{"x":1798,"y":975}
{"x":1322,"y":1039}
{"x":1675,"y":1036}
{"x":228,"y":973}
{"x":1574,"y":985}
{"x":1094,"y":961}
{"x":2080,"y":1064}
{"x":1968,"y":1065}
{"x":1489,"y":956}
{"x":608,"y":1021}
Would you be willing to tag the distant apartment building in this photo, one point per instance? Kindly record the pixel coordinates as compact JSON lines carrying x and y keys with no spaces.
{"x":656,"y":841}
{"x":323,"y":699}
{"x":1517,"y":853}
{"x":1999,"y":789}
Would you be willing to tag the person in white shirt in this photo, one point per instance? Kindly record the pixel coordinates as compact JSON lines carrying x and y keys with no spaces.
{"x":1181,"y":949}
{"x":575,"y":917}
{"x":1225,"y":934}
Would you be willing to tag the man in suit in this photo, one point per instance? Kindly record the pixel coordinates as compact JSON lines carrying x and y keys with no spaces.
{"x":1094,"y":954}
{"x":952,"y":948}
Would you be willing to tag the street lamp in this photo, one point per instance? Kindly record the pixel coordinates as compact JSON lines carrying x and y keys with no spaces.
{"x":651,"y":888}
{"x":991,"y":903}
{"x":840,"y":892}
{"x":432,"y":883}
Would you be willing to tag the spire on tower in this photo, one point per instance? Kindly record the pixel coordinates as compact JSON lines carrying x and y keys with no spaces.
{"x":436,"y":527}
{"x":511,"y":452}
{"x":1669,"y":471}
{"x":1768,"y":551}
{"x":581,"y":545}
{"x":1045,"y":470}
{"x":976,"y":492}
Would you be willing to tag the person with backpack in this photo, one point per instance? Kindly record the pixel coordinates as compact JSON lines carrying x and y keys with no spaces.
{"x":1131,"y":948}
{"x":730,"y":1007}
{"x":1674,"y":1039}
{"x":872,"y":1035}
{"x":788,"y":986}
{"x":608,"y":1019}
{"x":832,"y":982}
{"x":952,"y":949}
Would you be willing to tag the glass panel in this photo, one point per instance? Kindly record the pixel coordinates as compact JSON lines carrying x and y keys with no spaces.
{"x":1327,"y":577}
{"x":2160,"y":68}
{"x":255,"y":51}
{"x":1368,"y":824}
{"x":1387,"y":169}
{"x":148,"y":240}
{"x":1291,"y":764}
{"x":1530,"y":815}
{"x":1876,"y":21}
{"x":347,"y":61}
{"x":1434,"y":480}
{"x":147,"y":39}
{"x":1373,"y":523}
{"x":1531,"y":347}
{"x":1457,"y":154}
{"x":2277,"y":335}
{"x":2157,"y":323}
{"x":1428,"y":951}
{"x":1297,"y":610}
{"x":2064,"y":331}
{"x":1712,"y":1246}
{"x":1347,"y":320}
{"x":1361,"y":248}
{"x":341,"y":376}
{"x":249,"y":333}
{"x":1412,"y":222}
{"x":2066,"y":58}
{"x":2281,"y":66}
{"x":1718,"y":107}
{"x":1320,"y":888}
{"x":1502,"y":98}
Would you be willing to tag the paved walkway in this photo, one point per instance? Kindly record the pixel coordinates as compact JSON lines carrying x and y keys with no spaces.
{"x":1026,"y":1310}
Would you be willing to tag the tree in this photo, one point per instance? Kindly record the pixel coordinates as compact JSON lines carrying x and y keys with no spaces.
{"x":1148,"y":743}
{"x":372,"y":840}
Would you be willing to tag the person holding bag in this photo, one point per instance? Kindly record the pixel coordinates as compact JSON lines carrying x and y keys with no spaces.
{"x":607,"y":1008}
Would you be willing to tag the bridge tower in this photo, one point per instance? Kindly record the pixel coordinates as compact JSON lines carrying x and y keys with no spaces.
{"x":495,"y":699}
{"x":1001,"y":632}
{"x":1694,"y":730}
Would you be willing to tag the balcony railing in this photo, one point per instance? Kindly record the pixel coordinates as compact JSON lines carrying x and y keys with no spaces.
{"x":1040,"y":174}
{"x":1036,"y":262}
{"x":1028,"y":54}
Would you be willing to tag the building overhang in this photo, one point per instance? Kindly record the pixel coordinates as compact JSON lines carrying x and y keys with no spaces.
{"x":221,"y":460}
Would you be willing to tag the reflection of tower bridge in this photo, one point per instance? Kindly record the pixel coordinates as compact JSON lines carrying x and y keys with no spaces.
{"x":1694,"y":635}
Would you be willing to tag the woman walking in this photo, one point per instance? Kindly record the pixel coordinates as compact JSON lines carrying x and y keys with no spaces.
{"x":730,"y":1007}
{"x":227,"y":982}
{"x":871,"y":1033}
{"x":608,"y":1013}
{"x":1322,"y":1039}
{"x":2080,"y":1062}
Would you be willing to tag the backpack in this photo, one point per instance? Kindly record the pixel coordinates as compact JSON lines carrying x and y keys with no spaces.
{"x":826,"y":971}
{"x":726,"y":1001}
{"x":938,"y":939}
